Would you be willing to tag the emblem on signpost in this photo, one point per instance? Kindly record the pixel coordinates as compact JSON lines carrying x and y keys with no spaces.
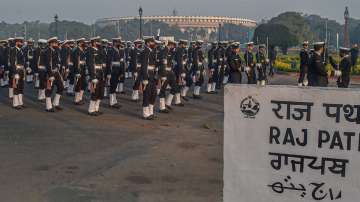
{"x":249,"y":107}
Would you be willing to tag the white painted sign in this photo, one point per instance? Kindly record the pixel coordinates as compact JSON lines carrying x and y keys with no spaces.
{"x":290,"y":144}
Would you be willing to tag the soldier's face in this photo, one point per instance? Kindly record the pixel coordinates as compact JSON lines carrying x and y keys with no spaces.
{"x":250,"y":48}
{"x":54,"y":45}
{"x":19,"y":43}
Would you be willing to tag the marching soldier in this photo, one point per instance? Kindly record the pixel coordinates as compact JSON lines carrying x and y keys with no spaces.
{"x":220,"y":65}
{"x":148,"y":74}
{"x":343,"y":70}
{"x":180,"y":68}
{"x":304,"y":64}
{"x":317,"y":75}
{"x":168,"y":78}
{"x":103,"y":52}
{"x":95,"y":60}
{"x":250,"y":63}
{"x":235,"y":64}
{"x":29,"y":55}
{"x":8,"y":72}
{"x":188,"y":66}
{"x":128,"y":67}
{"x":78,"y":71}
{"x":116,"y":70}
{"x":160,"y":66}
{"x":66,"y":66}
{"x":211,"y":86}
{"x":262,"y":62}
{"x":40,"y":69}
{"x":228,"y":51}
{"x":17,"y":69}
{"x":4,"y":76}
{"x":54,"y":78}
{"x":135,"y":64}
{"x":272,"y":58}
{"x":198,"y":68}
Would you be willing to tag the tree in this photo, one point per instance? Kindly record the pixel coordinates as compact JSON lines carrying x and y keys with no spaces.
{"x":296,"y":24}
{"x":278,"y":35}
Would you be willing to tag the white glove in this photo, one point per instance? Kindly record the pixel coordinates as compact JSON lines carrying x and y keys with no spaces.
{"x":247,"y":69}
{"x":338,"y":73}
{"x":28,"y":70}
{"x":67,"y":70}
{"x":17,"y":76}
{"x":36,"y":74}
{"x":52,"y":78}
{"x":95,"y":81}
{"x":78,"y":75}
{"x":145,"y":82}
{"x":183,"y":75}
{"x":135,"y":74}
{"x":267,"y":60}
{"x":108,"y":76}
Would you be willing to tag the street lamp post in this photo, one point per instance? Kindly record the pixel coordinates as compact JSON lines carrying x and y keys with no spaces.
{"x":140,"y":15}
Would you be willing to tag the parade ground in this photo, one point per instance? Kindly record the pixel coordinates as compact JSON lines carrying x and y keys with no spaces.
{"x":118,"y":157}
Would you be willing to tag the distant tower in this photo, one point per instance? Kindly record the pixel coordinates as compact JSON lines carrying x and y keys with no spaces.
{"x":56,"y":19}
{"x":346,"y":28}
{"x":175,"y":13}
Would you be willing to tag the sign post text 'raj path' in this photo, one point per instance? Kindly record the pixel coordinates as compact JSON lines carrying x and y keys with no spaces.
{"x":293,"y":144}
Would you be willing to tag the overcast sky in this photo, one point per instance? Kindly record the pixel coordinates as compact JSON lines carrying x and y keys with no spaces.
{"x":89,"y":10}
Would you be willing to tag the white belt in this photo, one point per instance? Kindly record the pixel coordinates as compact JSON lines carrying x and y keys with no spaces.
{"x":82,"y":62}
{"x":42,"y":67}
{"x":30,"y":57}
{"x":168,"y":68}
{"x":71,"y":64}
{"x":151,"y":67}
{"x":98,"y":67}
{"x":200,"y":63}
{"x":19,"y":67}
{"x":138,"y":65}
{"x":115,"y":63}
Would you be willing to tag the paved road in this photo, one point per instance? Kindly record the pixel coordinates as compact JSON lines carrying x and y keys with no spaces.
{"x":71,"y":157}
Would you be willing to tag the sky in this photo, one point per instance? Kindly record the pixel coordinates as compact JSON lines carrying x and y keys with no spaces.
{"x":88,"y":11}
